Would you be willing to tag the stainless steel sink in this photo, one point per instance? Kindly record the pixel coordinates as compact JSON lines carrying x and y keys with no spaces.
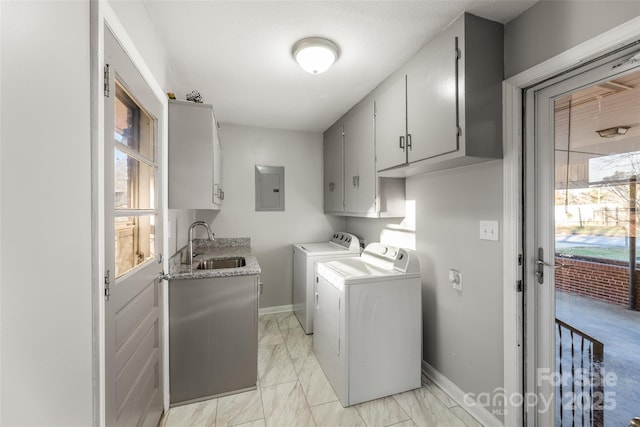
{"x":214,"y":264}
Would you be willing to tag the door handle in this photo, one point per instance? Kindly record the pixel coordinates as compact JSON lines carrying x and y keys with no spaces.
{"x":554,"y":266}
{"x":541,"y":264}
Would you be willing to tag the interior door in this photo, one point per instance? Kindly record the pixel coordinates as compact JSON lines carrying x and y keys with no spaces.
{"x":570,"y":378}
{"x":133,"y":236}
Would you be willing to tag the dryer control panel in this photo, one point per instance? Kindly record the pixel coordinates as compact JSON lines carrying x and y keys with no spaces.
{"x":346,"y":240}
{"x":392,"y":258}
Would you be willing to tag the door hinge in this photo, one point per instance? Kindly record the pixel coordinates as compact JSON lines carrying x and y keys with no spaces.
{"x":106,"y":81}
{"x":458,"y":51}
{"x":107,"y":283}
{"x":519,"y":259}
{"x":519,"y":285}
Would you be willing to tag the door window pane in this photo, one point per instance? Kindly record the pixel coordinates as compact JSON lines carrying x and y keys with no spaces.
{"x":135,"y":241}
{"x":134,"y":183}
{"x":133,"y":125}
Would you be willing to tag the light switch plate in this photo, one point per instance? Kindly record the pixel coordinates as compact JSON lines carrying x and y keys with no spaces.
{"x":490,"y":230}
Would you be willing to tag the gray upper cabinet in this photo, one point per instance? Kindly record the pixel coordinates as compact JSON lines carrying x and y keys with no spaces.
{"x":359,"y":162}
{"x":352,"y":186}
{"x":391,"y":125}
{"x":194,"y":157}
{"x":334,"y":171}
{"x":453,"y":102}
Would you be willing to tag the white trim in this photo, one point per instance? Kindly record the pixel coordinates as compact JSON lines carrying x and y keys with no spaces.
{"x":276,"y":309}
{"x":512,"y":173}
{"x":607,"y":41}
{"x":458,"y":395}
{"x":512,"y":248}
{"x":97,"y":206}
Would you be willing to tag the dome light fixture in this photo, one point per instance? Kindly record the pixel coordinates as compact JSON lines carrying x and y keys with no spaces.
{"x":315,"y":54}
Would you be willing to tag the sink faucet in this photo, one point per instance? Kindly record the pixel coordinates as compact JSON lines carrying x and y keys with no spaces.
{"x":190,"y":253}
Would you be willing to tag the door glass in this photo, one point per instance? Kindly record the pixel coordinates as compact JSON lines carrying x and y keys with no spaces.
{"x":135,"y":175}
{"x":597,"y":333}
{"x":134,"y":185}
{"x":133,"y":125}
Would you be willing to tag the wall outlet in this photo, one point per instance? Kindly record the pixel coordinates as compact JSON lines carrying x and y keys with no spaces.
{"x":489,"y":230}
{"x":455,"y":278}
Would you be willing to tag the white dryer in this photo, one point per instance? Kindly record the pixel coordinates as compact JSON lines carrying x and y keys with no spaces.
{"x":368,"y":323}
{"x":304,"y":257}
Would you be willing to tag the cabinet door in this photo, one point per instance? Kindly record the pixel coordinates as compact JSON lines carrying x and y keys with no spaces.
{"x":359,"y":162}
{"x":191,"y":133}
{"x":433,"y":93}
{"x":334,"y":171}
{"x":217,"y":169}
{"x":391,"y":109}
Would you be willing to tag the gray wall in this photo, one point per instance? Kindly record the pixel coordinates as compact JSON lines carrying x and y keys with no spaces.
{"x":272,"y":233}
{"x":552,"y":27}
{"x":462,"y":332}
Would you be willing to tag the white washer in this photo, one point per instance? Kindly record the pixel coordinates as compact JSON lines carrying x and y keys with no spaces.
{"x":368,"y":323}
{"x":304,"y":257}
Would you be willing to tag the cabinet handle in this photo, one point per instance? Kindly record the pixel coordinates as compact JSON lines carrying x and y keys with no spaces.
{"x":331,"y":186}
{"x":409,"y":141}
{"x":402,"y":142}
{"x":458,"y":55}
{"x":355,"y":181}
{"x":317,"y":298}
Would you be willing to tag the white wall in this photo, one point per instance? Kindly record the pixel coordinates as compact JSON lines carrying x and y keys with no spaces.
{"x":45,"y":192}
{"x":552,"y":27}
{"x":272,"y":233}
{"x":462,"y":332}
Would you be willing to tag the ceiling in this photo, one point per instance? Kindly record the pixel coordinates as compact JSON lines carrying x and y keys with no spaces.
{"x":237,"y":54}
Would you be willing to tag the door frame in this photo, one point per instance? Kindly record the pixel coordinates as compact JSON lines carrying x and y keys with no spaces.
{"x":101,"y":15}
{"x":513,"y":196}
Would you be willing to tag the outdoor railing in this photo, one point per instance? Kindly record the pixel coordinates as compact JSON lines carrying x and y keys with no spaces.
{"x":580,"y":362}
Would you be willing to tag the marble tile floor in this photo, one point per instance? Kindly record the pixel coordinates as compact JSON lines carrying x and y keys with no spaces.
{"x":293,"y":391}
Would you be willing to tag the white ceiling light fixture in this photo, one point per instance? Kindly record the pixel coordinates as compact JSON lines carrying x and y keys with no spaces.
{"x":315,"y":54}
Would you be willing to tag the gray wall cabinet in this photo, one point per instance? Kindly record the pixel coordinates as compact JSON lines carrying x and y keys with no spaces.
{"x":352,"y":186}
{"x":391,"y":124}
{"x":334,"y":171}
{"x":195,"y":157}
{"x":359,"y":162}
{"x":443,"y":109}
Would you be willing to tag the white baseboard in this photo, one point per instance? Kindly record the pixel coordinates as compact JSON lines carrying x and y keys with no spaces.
{"x":275,"y":309}
{"x":478,"y":412}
